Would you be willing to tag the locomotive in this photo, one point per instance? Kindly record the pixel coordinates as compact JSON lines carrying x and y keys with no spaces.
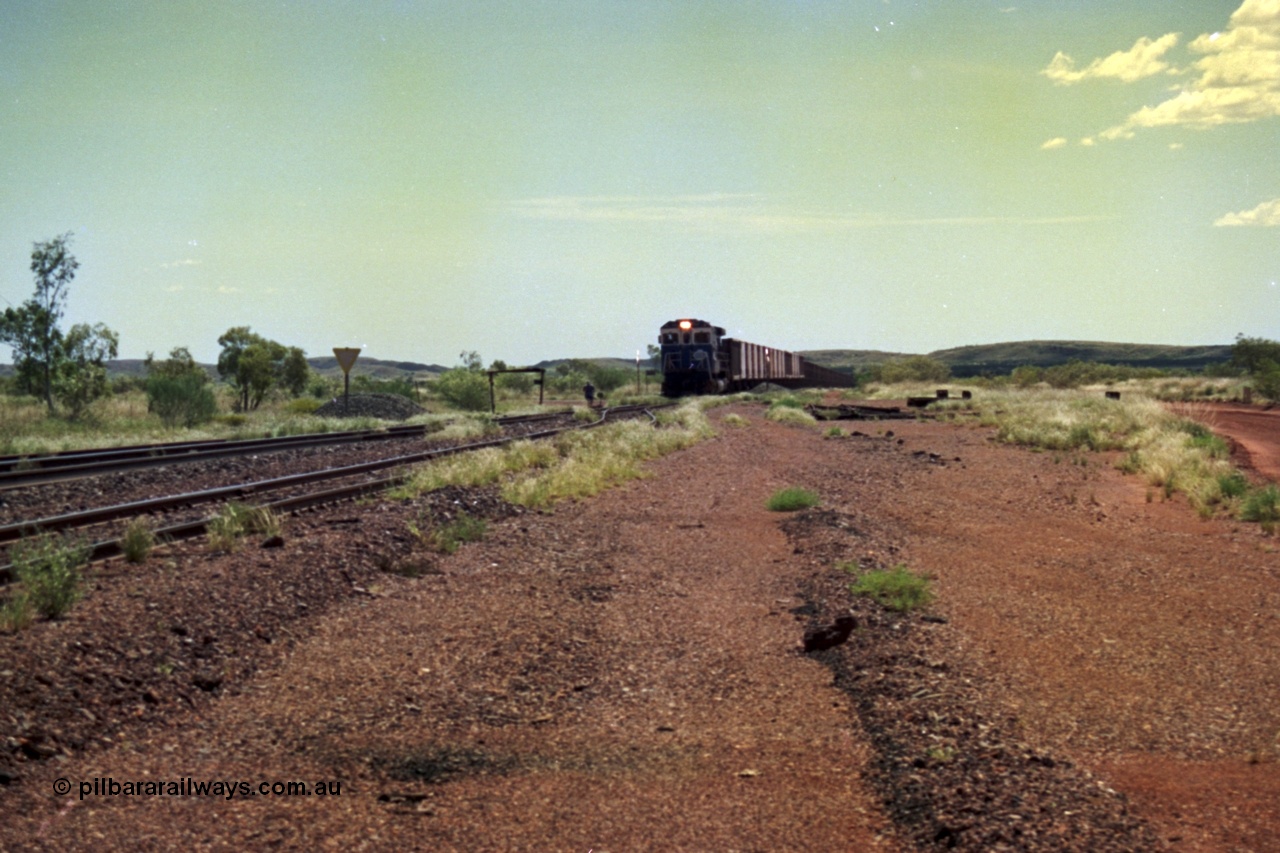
{"x":697,"y":358}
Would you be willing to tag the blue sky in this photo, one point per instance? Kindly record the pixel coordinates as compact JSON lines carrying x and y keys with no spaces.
{"x":549,"y":179}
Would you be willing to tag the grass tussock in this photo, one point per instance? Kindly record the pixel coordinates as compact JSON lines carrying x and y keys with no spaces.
{"x":594,"y":460}
{"x":448,"y":537}
{"x":138,"y":540}
{"x":237,"y":520}
{"x":897,"y":589}
{"x":572,"y":465}
{"x":788,"y":414}
{"x":792,"y":499}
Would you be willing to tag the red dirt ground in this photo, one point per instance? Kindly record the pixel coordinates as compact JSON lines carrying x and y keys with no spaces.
{"x":624,"y":674}
{"x":1254,"y":429}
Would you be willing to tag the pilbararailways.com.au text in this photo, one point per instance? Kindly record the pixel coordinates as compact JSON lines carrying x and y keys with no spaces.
{"x":106,"y":786}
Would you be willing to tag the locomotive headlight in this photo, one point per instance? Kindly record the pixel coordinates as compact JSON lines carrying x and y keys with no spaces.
{"x":686,"y":325}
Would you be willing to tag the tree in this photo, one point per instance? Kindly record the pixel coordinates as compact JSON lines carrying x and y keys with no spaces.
{"x":295,"y":373}
{"x":32,"y":328}
{"x":253,"y":365}
{"x":1252,"y":354}
{"x":464,"y":387}
{"x":81,"y":373}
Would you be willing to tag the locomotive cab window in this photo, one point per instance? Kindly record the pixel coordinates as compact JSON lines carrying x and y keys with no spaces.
{"x":671,"y":337}
{"x":702,"y":337}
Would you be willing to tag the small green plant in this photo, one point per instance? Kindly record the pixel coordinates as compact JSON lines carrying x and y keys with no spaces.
{"x":1262,"y":506}
{"x":237,"y":520}
{"x":464,"y":528}
{"x":735,"y":420}
{"x":834,"y":432}
{"x":137,"y":542}
{"x":897,"y":589}
{"x":792,"y":499}
{"x":16,"y":613}
{"x":48,"y":567}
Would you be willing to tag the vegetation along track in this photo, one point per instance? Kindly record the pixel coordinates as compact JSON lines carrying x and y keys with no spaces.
{"x":20,"y":470}
{"x":289,"y":484}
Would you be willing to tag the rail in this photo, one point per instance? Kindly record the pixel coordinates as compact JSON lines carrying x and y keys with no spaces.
{"x":109,"y":548}
{"x":17,"y":471}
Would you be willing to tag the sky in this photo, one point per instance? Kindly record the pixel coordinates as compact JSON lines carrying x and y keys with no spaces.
{"x":537,"y":179}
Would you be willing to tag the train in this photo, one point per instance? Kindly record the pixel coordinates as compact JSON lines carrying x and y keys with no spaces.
{"x":697,"y":358}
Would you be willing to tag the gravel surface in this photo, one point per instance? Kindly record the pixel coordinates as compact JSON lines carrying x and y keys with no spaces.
{"x":629,"y":673}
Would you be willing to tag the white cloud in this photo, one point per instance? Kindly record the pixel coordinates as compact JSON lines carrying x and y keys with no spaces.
{"x":185,"y":262}
{"x":1265,"y":214}
{"x":1056,"y":142}
{"x":1239,"y":77}
{"x":1141,"y":60}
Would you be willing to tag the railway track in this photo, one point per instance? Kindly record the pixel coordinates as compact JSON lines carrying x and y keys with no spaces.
{"x":359,"y":483}
{"x":17,"y":471}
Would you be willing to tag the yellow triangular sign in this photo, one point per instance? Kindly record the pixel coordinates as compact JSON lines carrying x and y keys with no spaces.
{"x":346,"y":357}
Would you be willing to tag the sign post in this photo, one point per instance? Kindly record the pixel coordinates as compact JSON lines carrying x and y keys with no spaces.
{"x":346,"y":357}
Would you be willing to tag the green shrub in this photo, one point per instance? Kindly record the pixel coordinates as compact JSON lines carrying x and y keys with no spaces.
{"x":463,"y":389}
{"x":181,"y":400}
{"x":792,"y":499}
{"x":137,"y":542}
{"x":48,"y":567}
{"x":896,"y":589}
{"x":1266,"y":380}
{"x":1262,"y":506}
{"x":1233,"y":484}
{"x":401,"y":386}
{"x":916,"y":368}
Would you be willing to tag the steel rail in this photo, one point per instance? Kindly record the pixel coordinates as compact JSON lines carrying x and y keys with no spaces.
{"x":16,"y":472}
{"x":184,"y":530}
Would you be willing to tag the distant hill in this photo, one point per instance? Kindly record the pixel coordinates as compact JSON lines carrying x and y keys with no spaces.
{"x":375,"y":367}
{"x":624,"y":363}
{"x":845,"y":359}
{"x":1002,"y":358}
{"x":996,"y":359}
